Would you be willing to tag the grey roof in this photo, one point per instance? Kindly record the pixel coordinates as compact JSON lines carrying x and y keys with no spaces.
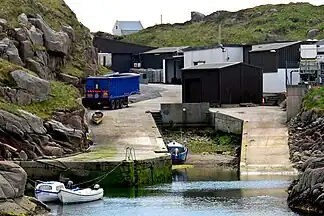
{"x":215,"y":47}
{"x":272,"y":46}
{"x":212,"y":66}
{"x":130,"y":25}
{"x":166,"y":50}
{"x":320,"y":43}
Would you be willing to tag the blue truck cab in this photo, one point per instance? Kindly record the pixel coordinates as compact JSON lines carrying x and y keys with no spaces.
{"x":111,"y":90}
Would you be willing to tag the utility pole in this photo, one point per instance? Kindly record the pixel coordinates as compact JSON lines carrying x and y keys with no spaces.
{"x":220,"y":33}
{"x":161,"y":19}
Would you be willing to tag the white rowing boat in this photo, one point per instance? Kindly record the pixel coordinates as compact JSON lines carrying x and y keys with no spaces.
{"x":67,"y":196}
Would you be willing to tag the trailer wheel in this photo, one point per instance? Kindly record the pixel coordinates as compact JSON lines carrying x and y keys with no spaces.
{"x":126,"y":101}
{"x":113,"y":104}
{"x":118,"y":104}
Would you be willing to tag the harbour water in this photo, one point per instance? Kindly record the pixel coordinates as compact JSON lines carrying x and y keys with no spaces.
{"x":193,"y":192}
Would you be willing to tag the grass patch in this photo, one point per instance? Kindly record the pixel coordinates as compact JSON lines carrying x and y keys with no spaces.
{"x":72,"y":70}
{"x":203,"y":140}
{"x":104,"y":70}
{"x":100,"y":153}
{"x":253,"y":25}
{"x":314,"y":100}
{"x":182,"y":166}
{"x":63,"y":98}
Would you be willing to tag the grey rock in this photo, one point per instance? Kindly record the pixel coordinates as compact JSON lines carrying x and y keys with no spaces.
{"x":38,"y":68}
{"x":1,"y":29}
{"x":54,"y":41}
{"x":13,"y":180}
{"x":40,"y":88}
{"x":55,"y":62}
{"x":69,"y":79}
{"x":19,"y":97}
{"x":43,"y":57}
{"x":76,"y":137}
{"x":21,"y":34}
{"x":14,"y":130}
{"x":274,"y":10}
{"x":91,"y":55}
{"x":53,"y":151}
{"x":36,"y":123}
{"x":8,"y":119}
{"x":26,"y":50}
{"x":23,"y":156}
{"x":36,"y":36}
{"x":197,"y":16}
{"x":313,"y":33}
{"x":70,"y":31}
{"x":3,"y":22}
{"x":13,"y":54}
{"x":22,"y":18}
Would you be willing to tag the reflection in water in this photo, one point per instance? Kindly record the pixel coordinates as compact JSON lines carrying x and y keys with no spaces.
{"x":193,"y":192}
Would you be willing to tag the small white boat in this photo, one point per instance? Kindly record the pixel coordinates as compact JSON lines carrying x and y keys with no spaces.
{"x":67,"y":196}
{"x":48,"y":191}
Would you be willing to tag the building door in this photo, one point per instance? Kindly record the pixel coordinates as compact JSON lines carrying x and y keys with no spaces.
{"x":193,"y":91}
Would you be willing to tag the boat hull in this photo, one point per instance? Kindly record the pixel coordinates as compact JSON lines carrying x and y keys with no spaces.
{"x":80,"y":196}
{"x":180,"y":158}
{"x":45,"y":196}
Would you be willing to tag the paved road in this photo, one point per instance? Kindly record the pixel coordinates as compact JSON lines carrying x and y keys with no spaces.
{"x":264,"y":141}
{"x":133,"y":126}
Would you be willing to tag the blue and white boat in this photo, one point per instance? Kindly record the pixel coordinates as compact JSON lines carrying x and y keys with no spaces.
{"x":48,"y":191}
{"x":178,"y":152}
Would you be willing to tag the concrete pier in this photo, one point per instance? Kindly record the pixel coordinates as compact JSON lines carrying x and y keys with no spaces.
{"x":264,"y":148}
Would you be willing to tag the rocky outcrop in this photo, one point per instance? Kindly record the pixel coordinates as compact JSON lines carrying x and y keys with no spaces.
{"x":313,"y":33}
{"x":196,"y":16}
{"x":37,"y":87}
{"x":13,"y":202}
{"x":306,"y":138}
{"x":54,"y":41}
{"x":9,"y":51}
{"x":38,"y":138}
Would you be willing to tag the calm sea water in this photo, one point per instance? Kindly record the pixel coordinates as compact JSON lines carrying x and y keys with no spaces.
{"x":193,"y":192}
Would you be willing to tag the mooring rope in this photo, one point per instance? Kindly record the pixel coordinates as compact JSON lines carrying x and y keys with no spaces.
{"x":102,"y":177}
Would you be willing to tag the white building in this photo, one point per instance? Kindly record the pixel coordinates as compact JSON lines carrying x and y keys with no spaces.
{"x":126,"y":27}
{"x":215,"y":54}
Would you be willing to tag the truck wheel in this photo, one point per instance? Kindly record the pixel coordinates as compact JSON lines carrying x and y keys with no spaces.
{"x":126,"y":101}
{"x":121,"y":102}
{"x":113,"y":104}
{"x":118,"y":104}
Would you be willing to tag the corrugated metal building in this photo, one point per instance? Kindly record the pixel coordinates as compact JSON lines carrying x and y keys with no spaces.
{"x":218,"y":53}
{"x":170,"y":59}
{"x":222,"y":83}
{"x":123,"y":55}
{"x":278,"y":61}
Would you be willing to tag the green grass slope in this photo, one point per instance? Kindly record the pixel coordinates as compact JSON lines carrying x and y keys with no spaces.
{"x":55,"y":13}
{"x":260,"y":24}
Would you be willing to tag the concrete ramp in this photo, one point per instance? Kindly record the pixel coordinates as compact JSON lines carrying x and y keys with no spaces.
{"x":265,"y":148}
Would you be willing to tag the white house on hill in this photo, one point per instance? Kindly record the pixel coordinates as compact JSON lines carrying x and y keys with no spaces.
{"x":126,"y":27}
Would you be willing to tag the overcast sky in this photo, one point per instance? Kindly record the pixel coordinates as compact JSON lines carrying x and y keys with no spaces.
{"x":100,"y":15}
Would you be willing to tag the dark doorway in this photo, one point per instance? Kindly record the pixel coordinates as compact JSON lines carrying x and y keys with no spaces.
{"x":193,"y":90}
{"x":121,"y":62}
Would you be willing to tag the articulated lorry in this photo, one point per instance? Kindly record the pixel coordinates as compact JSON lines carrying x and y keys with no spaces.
{"x":111,"y":91}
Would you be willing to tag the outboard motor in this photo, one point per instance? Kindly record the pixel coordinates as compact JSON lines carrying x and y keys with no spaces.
{"x":69,"y":184}
{"x":96,"y":187}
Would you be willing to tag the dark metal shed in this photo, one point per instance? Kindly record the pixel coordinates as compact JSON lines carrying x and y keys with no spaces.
{"x":274,"y":56}
{"x":123,"y":54}
{"x":222,"y":83}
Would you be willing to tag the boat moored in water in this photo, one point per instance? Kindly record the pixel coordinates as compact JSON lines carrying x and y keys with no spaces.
{"x":80,"y":196}
{"x":48,"y":191}
{"x":178,"y":152}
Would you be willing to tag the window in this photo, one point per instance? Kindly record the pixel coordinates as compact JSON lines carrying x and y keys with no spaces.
{"x":116,"y":27}
{"x":58,"y":188}
{"x":45,"y":188}
{"x":198,"y":62}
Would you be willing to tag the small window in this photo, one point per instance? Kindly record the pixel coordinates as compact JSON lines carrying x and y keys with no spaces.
{"x":58,"y":188}
{"x":116,"y":27}
{"x":45,"y":187}
{"x":198,"y":62}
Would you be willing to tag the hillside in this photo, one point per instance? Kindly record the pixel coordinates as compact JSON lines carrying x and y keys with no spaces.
{"x":260,"y":24}
{"x":44,"y":51}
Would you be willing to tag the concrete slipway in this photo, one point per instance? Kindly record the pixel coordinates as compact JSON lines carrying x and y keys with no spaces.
{"x":264,"y":140}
